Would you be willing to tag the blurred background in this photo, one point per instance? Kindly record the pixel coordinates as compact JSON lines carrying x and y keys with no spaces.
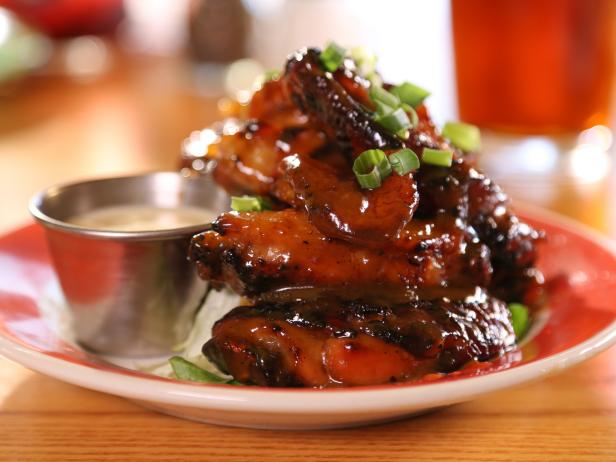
{"x":91,"y":88}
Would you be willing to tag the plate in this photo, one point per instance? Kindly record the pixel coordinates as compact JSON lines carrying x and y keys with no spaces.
{"x":579,"y":322}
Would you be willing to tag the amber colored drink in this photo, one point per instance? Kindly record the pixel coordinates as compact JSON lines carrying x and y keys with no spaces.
{"x":535,"y":66}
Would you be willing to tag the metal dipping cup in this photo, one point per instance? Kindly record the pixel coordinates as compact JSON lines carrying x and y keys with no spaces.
{"x":131,"y":293}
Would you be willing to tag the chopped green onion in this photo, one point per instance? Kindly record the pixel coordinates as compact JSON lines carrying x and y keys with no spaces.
{"x":464,"y":136}
{"x":185,"y":370}
{"x":365,"y":60}
{"x":382,"y":108}
{"x":439,"y":157}
{"x":412,"y":113}
{"x":404,"y":161}
{"x":519,"y":318}
{"x":272,"y":74}
{"x":371,"y":167}
{"x":371,"y":158}
{"x":379,"y":94}
{"x":332,"y":57}
{"x":374,"y":78}
{"x":370,"y":180}
{"x":403,"y":134}
{"x":396,"y":122}
{"x":410,"y":94}
{"x":249,"y":203}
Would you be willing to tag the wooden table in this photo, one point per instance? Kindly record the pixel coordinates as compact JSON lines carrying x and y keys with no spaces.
{"x":53,"y":129}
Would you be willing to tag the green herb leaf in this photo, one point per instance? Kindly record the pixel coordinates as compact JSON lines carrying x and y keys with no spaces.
{"x":438,"y":157}
{"x":464,"y":136}
{"x":250,"y":203}
{"x":410,"y":94}
{"x":404,"y":161}
{"x":185,"y":370}
{"x":332,"y":57}
{"x":519,"y":319}
{"x":371,"y":167}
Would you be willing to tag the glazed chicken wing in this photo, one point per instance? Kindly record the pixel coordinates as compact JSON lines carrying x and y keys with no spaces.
{"x":256,"y":253}
{"x":339,"y":101}
{"x":339,"y":209}
{"x":342,"y":344}
{"x":245,"y":155}
{"x":464,"y":194}
{"x":336,"y":102}
{"x":354,"y":286}
{"x":340,"y":105}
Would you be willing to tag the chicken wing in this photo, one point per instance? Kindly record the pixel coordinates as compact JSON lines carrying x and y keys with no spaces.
{"x":319,"y":344}
{"x":256,"y":253}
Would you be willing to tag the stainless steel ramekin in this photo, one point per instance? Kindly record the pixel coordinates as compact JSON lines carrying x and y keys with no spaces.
{"x":131,"y":293}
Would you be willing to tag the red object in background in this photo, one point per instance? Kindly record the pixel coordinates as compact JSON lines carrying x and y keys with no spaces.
{"x":535,"y":66}
{"x":68,"y":18}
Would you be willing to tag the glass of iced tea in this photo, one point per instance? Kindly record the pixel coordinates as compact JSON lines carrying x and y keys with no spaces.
{"x":535,"y":66}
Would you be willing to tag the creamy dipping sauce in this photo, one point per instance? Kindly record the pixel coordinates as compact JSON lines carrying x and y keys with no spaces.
{"x":141,"y":218}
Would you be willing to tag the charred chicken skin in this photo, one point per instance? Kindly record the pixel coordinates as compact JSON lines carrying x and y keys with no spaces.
{"x":355,"y":286}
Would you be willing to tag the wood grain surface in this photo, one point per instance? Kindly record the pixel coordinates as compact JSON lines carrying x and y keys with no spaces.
{"x":53,"y":129}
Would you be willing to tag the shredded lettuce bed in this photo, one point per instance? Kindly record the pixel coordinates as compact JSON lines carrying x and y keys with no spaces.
{"x":215,"y":306}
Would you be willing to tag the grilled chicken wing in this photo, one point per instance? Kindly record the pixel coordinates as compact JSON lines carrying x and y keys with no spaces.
{"x":246,"y":157}
{"x":352,"y":286}
{"x":339,"y":209}
{"x":256,"y":253}
{"x":321,"y":343}
{"x":465,"y":195}
{"x":336,"y":102}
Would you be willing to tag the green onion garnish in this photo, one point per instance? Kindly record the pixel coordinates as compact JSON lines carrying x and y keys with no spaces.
{"x":464,"y":136}
{"x":382,"y":108}
{"x":332,"y":57}
{"x":249,"y":203}
{"x":391,"y":112}
{"x":404,"y":161}
{"x":414,"y":118}
{"x":404,"y":134}
{"x":410,"y":94}
{"x":439,"y":157}
{"x":272,"y":74}
{"x":185,"y":370}
{"x":374,"y":78}
{"x":365,"y":60}
{"x":519,"y":318}
{"x":371,"y":167}
{"x":379,"y":94}
{"x":396,"y":122}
